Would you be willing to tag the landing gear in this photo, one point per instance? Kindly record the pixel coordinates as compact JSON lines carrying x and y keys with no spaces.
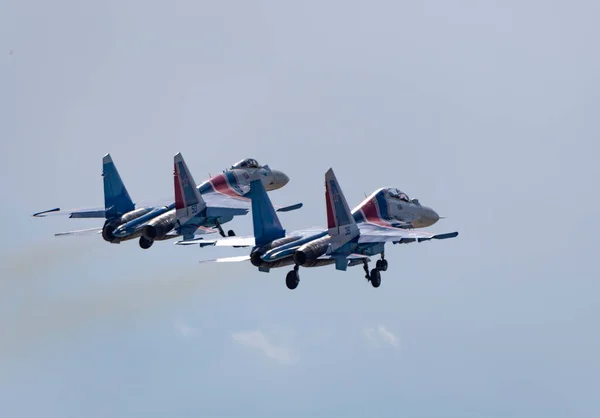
{"x":145,"y":243}
{"x":382,"y":264}
{"x":292,"y":279}
{"x":220,"y":228}
{"x":366,"y":268}
{"x":375,"y":278}
{"x":231,"y":233}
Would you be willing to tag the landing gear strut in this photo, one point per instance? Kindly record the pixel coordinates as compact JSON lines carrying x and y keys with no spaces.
{"x":230,"y":233}
{"x":293,"y":278}
{"x":382,"y":264}
{"x":366,"y":268}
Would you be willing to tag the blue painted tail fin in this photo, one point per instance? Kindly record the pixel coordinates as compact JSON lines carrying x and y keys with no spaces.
{"x":116,"y":198}
{"x":267,"y":227}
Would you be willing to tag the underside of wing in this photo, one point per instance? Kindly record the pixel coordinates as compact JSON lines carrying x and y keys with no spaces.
{"x":235,"y":259}
{"x":220,"y":200}
{"x":372,"y":233}
{"x":223,"y":242}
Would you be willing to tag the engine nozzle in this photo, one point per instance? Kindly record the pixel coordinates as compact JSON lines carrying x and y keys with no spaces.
{"x":311,"y":251}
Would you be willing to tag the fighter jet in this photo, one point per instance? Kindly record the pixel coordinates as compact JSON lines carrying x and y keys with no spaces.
{"x":223,"y":198}
{"x":387,"y":215}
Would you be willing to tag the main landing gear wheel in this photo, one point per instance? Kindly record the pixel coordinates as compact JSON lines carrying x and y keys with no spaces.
{"x":231,"y":233}
{"x":292,"y":279}
{"x":382,"y":264}
{"x":375,"y":278}
{"x":145,"y":243}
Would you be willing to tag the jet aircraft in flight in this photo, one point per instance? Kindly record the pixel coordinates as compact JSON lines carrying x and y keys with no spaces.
{"x":387,"y":215}
{"x":224,"y":196}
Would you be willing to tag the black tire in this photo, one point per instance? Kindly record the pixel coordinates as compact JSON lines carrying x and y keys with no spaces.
{"x":145,"y":243}
{"x":292,"y":279}
{"x":375,"y":278}
{"x":382,"y":265}
{"x":230,"y":233}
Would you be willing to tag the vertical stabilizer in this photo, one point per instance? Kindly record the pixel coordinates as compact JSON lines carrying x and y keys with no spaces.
{"x":340,"y":222}
{"x":267,"y":227}
{"x":188,"y":200}
{"x":116,"y":198}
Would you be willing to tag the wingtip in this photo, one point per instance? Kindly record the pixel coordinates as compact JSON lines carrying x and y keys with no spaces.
{"x":44,"y":212}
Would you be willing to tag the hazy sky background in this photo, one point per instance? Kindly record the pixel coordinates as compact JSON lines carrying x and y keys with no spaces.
{"x":486,"y":111}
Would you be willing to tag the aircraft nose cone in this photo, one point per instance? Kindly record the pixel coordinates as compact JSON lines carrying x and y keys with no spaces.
{"x":432,"y":216}
{"x":281,"y":179}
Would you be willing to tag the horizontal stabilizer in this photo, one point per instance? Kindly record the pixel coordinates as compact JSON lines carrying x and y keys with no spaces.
{"x":45,"y":212}
{"x":225,"y":212}
{"x":90,"y":231}
{"x":193,"y":241}
{"x":290,"y":207}
{"x":72,"y":213}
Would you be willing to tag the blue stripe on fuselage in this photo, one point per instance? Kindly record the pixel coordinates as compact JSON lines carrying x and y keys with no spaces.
{"x":132,"y":225}
{"x":232,"y":180}
{"x":290,"y":246}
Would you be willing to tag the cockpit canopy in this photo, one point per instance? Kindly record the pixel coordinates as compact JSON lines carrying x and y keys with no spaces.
{"x":397,"y":194}
{"x":247,"y":163}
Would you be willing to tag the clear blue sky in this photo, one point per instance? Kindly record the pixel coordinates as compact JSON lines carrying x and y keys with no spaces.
{"x":486,"y":111}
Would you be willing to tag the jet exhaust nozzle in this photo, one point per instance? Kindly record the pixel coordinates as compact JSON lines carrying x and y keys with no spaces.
{"x":311,"y":251}
{"x":149,"y":232}
{"x":255,"y":259}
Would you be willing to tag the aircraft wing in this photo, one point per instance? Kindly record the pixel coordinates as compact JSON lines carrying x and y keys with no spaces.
{"x":349,"y":257}
{"x":97,"y":212}
{"x":72,"y":213}
{"x":372,"y":233}
{"x":219,"y":204}
{"x":234,"y":241}
{"x":191,"y":231}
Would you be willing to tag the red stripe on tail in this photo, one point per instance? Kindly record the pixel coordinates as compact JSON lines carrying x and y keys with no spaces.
{"x":179,"y":203}
{"x":330,"y":218}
